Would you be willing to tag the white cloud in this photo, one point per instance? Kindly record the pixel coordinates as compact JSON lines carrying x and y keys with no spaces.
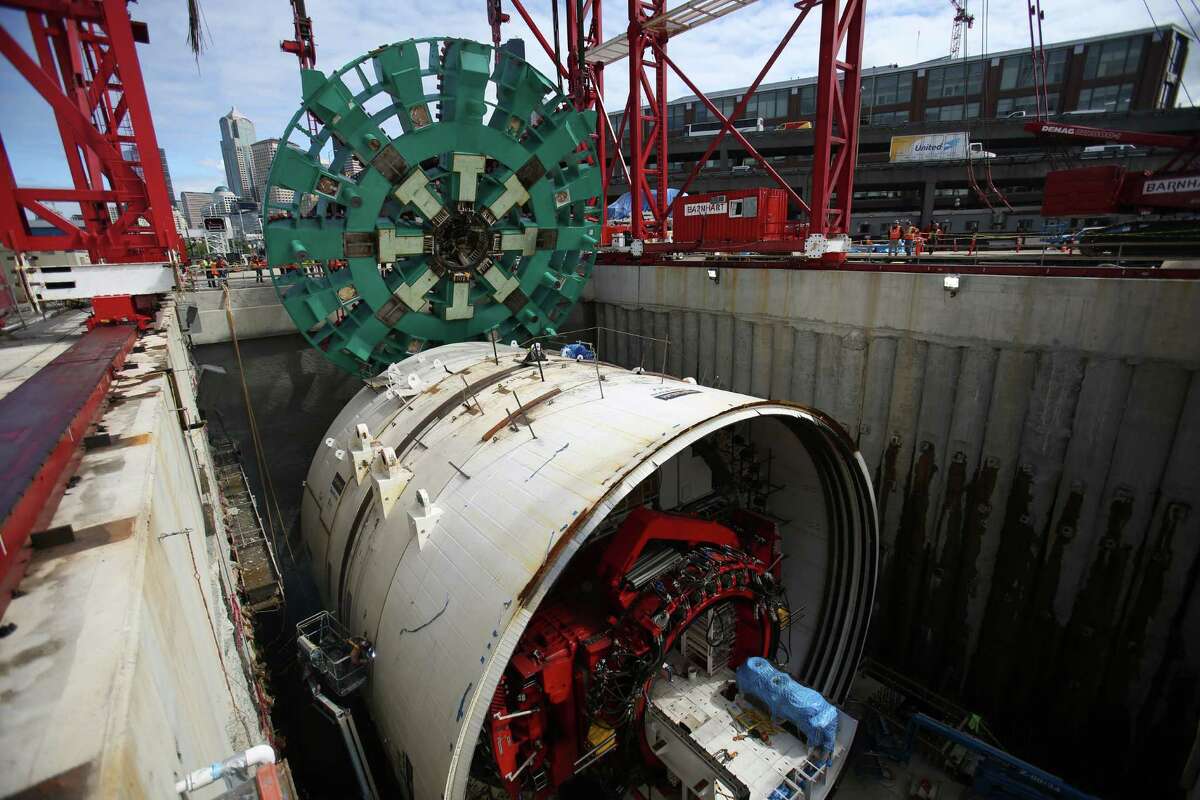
{"x":244,"y":67}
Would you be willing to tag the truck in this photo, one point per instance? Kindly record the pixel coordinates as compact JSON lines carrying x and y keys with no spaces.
{"x":953,"y":146}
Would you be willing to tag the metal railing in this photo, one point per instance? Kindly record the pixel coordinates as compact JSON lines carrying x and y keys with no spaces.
{"x":325,"y":646}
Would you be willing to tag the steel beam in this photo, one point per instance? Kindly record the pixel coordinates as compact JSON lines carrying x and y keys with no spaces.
{"x":835,"y":134}
{"x":42,"y":423}
{"x":648,"y":80}
{"x":87,"y":71}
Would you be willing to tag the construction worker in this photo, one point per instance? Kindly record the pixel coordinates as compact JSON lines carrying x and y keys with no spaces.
{"x":214,"y":272}
{"x":971,"y":248}
{"x":910,"y":233}
{"x":935,"y":238}
{"x":894,"y":239}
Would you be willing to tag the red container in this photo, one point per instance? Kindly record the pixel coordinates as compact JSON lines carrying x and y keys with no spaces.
{"x":1076,"y":192}
{"x":738,"y":216}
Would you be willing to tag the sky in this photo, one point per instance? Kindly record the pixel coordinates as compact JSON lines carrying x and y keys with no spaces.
{"x":242,"y":65}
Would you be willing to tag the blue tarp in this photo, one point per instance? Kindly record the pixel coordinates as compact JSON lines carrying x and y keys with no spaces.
{"x":784,"y":698}
{"x":620,"y":208}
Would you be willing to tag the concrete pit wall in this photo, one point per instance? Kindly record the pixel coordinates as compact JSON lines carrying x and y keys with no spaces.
{"x":256,"y":310}
{"x":1035,"y":447}
{"x":124,"y":671}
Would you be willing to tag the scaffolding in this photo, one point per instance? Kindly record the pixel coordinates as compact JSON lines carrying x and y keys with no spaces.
{"x":259,"y":577}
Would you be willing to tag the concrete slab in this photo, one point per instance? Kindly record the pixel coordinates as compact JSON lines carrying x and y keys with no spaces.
{"x":24,"y":351}
{"x":123,"y":672}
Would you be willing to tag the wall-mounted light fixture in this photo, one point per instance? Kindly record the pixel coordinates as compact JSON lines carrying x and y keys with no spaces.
{"x":714,"y":275}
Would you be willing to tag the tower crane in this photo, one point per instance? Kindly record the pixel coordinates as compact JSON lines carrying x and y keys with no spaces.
{"x":961,"y":19}
{"x":303,"y":47}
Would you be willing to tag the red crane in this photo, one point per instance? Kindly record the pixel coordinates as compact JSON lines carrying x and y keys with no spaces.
{"x":303,"y":47}
{"x":1110,"y":189}
{"x":644,"y":41}
{"x":85,"y":68}
{"x":961,"y":19}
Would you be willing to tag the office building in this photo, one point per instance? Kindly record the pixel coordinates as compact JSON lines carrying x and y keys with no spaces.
{"x":1137,"y":70}
{"x":262,"y":154}
{"x":237,"y":135}
{"x":130,"y":153}
{"x":193,"y":204}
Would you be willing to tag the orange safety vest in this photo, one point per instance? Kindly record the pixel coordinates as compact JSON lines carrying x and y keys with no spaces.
{"x":894,"y":233}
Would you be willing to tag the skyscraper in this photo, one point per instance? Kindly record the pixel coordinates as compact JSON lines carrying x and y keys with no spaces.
{"x":262,"y":154}
{"x":237,"y":134}
{"x":129,"y":152}
{"x":351,"y":166}
{"x":193,"y":206}
{"x":162,"y":154}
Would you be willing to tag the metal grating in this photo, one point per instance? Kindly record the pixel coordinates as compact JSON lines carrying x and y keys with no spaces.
{"x":684,"y":17}
{"x":258,"y":572}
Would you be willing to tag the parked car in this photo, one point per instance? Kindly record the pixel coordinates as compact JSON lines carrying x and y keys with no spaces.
{"x":1110,"y":150}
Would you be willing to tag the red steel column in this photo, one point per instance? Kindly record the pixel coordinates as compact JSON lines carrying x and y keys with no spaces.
{"x":137,"y":106}
{"x":586,"y":82}
{"x":835,"y":137}
{"x":641,"y":145}
{"x":853,"y":22}
{"x":87,"y":72}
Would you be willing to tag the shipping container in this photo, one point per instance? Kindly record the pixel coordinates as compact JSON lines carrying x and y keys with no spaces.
{"x":737,"y":216}
{"x":1087,"y":190}
{"x":1174,"y":191}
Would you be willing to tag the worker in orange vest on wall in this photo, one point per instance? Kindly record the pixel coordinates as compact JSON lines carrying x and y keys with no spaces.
{"x":910,"y":234}
{"x":894,"y":239}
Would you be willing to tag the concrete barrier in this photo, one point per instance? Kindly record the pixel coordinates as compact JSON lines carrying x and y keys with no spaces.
{"x":125,"y":669}
{"x":256,"y":309}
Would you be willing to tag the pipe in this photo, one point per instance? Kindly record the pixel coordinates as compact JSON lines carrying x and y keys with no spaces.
{"x":358,"y":757}
{"x":259,"y":754}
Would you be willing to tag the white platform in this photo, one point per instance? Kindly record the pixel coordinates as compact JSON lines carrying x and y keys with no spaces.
{"x":719,"y":743}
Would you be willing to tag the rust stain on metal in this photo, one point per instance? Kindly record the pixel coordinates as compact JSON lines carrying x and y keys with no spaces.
{"x":1032,"y":676}
{"x":556,"y":549}
{"x":947,"y":550}
{"x":1088,"y":641}
{"x":965,"y":577}
{"x":911,"y":559}
{"x":520,"y":413}
{"x":885,"y":480}
{"x":1152,"y":564}
{"x":1004,"y":622}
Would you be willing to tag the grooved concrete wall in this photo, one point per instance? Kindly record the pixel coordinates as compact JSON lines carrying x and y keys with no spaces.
{"x":1035,"y":445}
{"x":257,"y":313}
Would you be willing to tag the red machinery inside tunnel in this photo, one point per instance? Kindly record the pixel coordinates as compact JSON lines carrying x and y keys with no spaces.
{"x":581,"y":671}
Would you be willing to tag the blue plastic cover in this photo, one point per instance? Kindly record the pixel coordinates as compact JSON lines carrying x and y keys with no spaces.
{"x":786,"y":699}
{"x":578,"y":351}
{"x":621,"y":207}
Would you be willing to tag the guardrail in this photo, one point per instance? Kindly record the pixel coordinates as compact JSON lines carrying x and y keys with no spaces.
{"x":197,"y":279}
{"x":1045,"y":263}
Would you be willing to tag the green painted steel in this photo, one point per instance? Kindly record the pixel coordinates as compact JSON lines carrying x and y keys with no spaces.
{"x":448,"y":195}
